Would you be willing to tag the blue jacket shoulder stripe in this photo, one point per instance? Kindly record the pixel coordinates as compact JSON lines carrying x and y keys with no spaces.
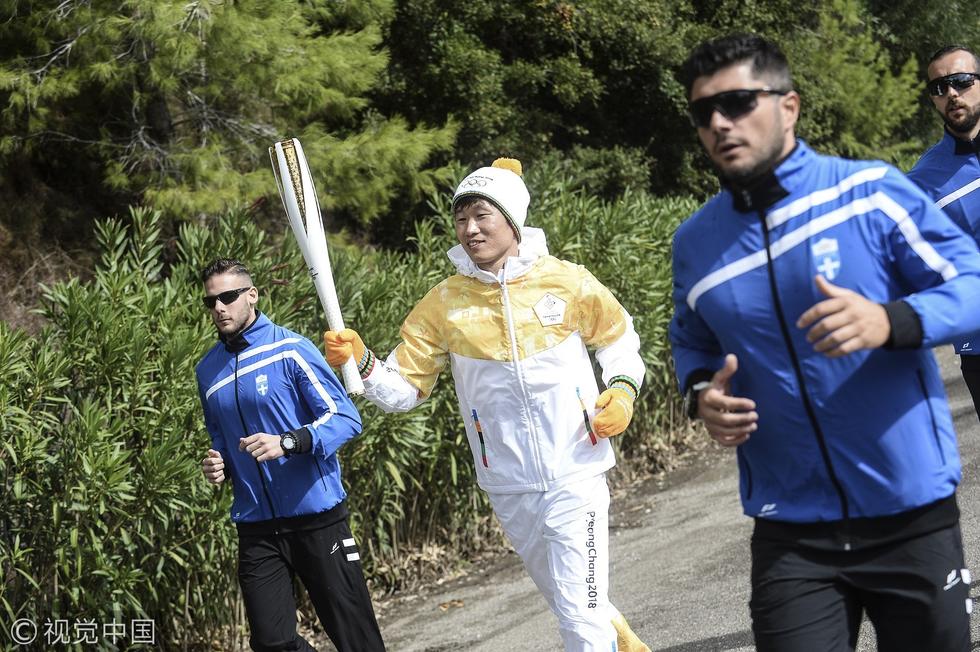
{"x":246,"y":355}
{"x":959,"y":192}
{"x":780,"y":246}
{"x":878,"y":201}
{"x":726,"y":273}
{"x":268,"y":347}
{"x":245,"y":370}
{"x":290,"y":354}
{"x":824,"y":195}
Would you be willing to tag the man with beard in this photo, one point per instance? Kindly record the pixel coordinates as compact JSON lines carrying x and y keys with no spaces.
{"x":950,"y":171}
{"x":277,"y":416}
{"x":807,"y":294}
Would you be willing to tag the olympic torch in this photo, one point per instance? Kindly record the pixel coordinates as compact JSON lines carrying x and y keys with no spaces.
{"x":303,"y":210}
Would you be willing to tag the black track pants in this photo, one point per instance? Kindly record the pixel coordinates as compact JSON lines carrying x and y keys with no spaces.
{"x":970,"y":366}
{"x":915,"y":592}
{"x":327,"y":562}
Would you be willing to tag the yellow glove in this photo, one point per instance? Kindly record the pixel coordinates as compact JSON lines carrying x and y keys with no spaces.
{"x":616,"y":408}
{"x":341,"y":346}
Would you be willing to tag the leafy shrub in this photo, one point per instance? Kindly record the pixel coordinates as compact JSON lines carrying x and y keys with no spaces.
{"x":104,"y":514}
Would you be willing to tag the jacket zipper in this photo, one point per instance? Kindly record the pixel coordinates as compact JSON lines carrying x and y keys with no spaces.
{"x":258,"y":467}
{"x":804,"y":393}
{"x":520,"y":375}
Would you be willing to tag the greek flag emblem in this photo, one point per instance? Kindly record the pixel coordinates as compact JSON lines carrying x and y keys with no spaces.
{"x":826,"y":257}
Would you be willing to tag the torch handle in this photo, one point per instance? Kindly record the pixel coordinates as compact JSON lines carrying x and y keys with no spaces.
{"x":327,"y":292}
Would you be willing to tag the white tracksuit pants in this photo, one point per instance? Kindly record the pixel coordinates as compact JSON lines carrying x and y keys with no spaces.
{"x":562,"y":535}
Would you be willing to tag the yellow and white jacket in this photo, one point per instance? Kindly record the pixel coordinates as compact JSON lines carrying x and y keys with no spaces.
{"x":517,"y":346}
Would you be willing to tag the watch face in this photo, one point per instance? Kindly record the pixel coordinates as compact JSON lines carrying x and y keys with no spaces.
{"x":289,"y":442}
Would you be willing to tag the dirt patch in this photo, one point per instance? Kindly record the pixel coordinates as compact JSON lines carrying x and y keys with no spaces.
{"x":23,"y":272}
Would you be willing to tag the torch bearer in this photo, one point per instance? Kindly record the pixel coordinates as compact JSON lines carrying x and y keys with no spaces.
{"x":303,"y":210}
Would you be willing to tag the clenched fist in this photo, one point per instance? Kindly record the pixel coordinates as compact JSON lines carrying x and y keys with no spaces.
{"x":213,"y":467}
{"x":616,"y":411}
{"x":341,"y":346}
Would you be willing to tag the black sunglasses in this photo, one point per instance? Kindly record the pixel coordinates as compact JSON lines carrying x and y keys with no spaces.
{"x":731,"y":104}
{"x":227,"y":298}
{"x":958,"y":80}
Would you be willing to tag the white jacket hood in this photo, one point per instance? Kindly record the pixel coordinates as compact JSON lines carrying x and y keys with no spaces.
{"x":533,"y":245}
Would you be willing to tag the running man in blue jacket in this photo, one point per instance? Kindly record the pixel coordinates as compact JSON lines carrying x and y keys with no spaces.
{"x":277,"y":416}
{"x":807,"y":295}
{"x":950,"y":171}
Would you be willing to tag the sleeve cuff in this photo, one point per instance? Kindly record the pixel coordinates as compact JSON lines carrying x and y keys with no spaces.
{"x":906,"y":327}
{"x":625,"y":383}
{"x":304,"y":440}
{"x":696,"y":377}
{"x":366,"y":364}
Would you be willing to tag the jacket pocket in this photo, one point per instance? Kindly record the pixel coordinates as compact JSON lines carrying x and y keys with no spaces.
{"x":746,"y":472}
{"x":323,"y":477}
{"x":932,"y":416}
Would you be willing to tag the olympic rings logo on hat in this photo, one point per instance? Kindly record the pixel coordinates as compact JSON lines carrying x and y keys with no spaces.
{"x":478,"y":182}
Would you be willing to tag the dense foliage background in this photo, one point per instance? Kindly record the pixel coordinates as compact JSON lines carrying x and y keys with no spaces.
{"x":173,"y":104}
{"x":133,"y":141}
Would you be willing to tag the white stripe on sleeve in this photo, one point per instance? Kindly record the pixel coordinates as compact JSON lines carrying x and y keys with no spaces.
{"x":919,"y":245}
{"x":877,"y":201}
{"x":299,"y":360}
{"x":823,"y":196}
{"x":960,"y":192}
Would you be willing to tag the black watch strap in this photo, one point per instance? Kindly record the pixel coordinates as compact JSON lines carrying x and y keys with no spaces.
{"x":691,"y":398}
{"x":698,"y":378}
{"x":303,"y":440}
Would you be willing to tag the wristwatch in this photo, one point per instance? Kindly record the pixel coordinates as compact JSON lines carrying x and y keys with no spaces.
{"x":691,"y":398}
{"x":287,"y":441}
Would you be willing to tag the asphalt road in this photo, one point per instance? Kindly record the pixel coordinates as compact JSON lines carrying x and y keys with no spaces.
{"x":679,"y":573}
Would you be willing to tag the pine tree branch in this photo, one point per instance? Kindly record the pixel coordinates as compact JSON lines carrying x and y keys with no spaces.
{"x":62,"y":51}
{"x":65,"y":9}
{"x":194,"y":14}
{"x":50,"y":135}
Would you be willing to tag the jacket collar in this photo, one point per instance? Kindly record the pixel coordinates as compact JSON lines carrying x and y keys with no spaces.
{"x":960,"y":146}
{"x":771,"y":187}
{"x":533,"y":246}
{"x":244,"y":338}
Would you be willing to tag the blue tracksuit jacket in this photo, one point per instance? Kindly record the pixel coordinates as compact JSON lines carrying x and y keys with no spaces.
{"x":865,"y":435}
{"x":949,"y":172}
{"x":277,"y":382}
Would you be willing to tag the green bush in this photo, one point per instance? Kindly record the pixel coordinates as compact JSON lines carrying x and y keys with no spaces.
{"x":104,"y":511}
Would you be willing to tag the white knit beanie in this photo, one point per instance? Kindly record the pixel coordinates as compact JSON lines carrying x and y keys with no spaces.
{"x":502,"y":184}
